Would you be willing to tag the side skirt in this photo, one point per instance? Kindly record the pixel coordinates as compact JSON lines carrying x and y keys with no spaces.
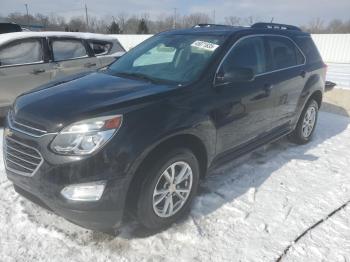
{"x":250,"y":146}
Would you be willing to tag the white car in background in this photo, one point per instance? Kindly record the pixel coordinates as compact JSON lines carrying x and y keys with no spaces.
{"x":31,"y":59}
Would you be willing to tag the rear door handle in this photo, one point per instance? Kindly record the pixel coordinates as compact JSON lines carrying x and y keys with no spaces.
{"x":267,"y":88}
{"x":38,"y":71}
{"x":266,"y":92}
{"x":88,"y":65}
{"x":303,"y":73}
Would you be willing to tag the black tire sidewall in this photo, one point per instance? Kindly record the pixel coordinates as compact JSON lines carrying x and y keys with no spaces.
{"x":145,"y":212}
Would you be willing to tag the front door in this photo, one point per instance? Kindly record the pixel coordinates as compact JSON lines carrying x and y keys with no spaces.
{"x":22,"y":68}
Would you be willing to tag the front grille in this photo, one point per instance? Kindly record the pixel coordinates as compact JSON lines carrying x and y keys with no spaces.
{"x":20,"y":158}
{"x":24,"y":128}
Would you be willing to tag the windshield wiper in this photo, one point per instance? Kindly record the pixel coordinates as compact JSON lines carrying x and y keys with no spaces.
{"x":138,"y":75}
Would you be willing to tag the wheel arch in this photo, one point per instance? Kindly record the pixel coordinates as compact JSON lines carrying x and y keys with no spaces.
{"x":190,"y":141}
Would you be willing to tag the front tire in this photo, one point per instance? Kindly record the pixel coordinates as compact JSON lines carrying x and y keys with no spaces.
{"x":169,"y":189}
{"x":305,"y":128}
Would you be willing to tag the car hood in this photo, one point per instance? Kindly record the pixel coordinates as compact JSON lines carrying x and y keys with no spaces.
{"x":65,"y":101}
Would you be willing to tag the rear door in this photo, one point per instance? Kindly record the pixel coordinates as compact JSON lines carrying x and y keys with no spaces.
{"x":23,"y":66}
{"x":288,"y":77}
{"x":72,"y":56}
{"x":245,"y":110}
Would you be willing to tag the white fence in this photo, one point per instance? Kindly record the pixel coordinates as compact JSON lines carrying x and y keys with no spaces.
{"x":334,"y":48}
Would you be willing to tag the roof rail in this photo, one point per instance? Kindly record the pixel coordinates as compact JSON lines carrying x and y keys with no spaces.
{"x":275,"y":26}
{"x":209,"y":25}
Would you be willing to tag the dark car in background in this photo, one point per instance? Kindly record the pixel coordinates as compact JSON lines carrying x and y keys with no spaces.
{"x":9,"y":28}
{"x":140,"y":135}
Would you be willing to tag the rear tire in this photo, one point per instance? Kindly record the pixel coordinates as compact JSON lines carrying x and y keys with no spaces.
{"x":306,"y":125}
{"x":168,"y":191}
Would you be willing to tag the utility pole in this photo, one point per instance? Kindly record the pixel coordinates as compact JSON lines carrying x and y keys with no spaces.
{"x":26,"y":5}
{"x":214,"y":16}
{"x":87,"y":18}
{"x":174,"y":21}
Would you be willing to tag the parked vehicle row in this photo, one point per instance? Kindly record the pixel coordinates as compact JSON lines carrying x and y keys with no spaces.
{"x":31,"y":59}
{"x":141,"y":134}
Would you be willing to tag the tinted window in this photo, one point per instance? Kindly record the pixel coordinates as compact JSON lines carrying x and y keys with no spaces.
{"x":248,"y":53}
{"x":24,"y":52}
{"x":100,"y":48}
{"x":283,"y":53}
{"x":68,"y":49}
{"x":309,"y":49}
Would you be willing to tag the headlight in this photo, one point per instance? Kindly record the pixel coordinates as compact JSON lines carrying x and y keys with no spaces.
{"x":85,"y":137}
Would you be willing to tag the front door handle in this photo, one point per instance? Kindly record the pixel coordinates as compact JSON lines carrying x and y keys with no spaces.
{"x":88,"y":65}
{"x":38,"y":71}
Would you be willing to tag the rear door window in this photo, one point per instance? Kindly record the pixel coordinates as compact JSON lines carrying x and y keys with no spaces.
{"x":248,"y":53}
{"x":66,"y":49}
{"x":283,"y":53}
{"x":22,"y":52}
{"x":100,"y":47}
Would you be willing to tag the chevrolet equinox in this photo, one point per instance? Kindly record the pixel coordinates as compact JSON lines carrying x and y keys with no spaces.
{"x":139,"y":135}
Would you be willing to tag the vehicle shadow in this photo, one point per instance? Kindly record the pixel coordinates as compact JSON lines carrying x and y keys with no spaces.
{"x":335,"y":109}
{"x":223,"y":185}
{"x":227,"y":183}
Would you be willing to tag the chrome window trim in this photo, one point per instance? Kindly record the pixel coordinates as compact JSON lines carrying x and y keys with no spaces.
{"x":71,"y":59}
{"x":24,"y":64}
{"x":260,"y":35}
{"x":16,"y":171}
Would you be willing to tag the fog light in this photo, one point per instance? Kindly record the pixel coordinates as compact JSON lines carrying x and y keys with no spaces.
{"x":84,"y":192}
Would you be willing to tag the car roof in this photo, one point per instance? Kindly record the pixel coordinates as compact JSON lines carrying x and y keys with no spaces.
{"x":8,"y":37}
{"x":226,"y":30}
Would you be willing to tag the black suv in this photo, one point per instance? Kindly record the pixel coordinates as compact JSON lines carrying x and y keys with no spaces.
{"x":139,"y":135}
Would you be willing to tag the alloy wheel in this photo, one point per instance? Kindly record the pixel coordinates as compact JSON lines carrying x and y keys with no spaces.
{"x":172,"y":189}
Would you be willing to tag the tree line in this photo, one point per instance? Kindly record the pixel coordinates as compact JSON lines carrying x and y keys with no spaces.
{"x":143,"y":24}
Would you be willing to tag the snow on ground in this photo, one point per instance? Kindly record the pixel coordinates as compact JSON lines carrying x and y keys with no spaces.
{"x":340,"y":74}
{"x":249,"y":210}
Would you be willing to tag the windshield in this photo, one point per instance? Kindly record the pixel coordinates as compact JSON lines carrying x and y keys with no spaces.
{"x":172,"y":58}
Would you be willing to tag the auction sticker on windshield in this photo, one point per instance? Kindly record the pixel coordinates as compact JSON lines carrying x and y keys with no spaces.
{"x":205,"y":45}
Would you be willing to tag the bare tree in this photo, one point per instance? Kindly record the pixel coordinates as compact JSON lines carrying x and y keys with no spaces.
{"x":233,"y":20}
{"x":121,"y":20}
{"x":316,"y":26}
{"x":195,"y":19}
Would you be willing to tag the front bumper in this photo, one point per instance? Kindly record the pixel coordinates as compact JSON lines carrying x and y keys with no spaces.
{"x":45,"y":185}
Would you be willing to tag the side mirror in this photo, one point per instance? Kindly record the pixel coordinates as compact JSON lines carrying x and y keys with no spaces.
{"x":235,"y":75}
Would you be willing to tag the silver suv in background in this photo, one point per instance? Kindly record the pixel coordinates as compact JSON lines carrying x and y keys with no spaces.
{"x":31,"y":59}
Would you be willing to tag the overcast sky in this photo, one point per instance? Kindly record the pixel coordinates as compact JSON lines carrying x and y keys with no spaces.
{"x":297,"y":12}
